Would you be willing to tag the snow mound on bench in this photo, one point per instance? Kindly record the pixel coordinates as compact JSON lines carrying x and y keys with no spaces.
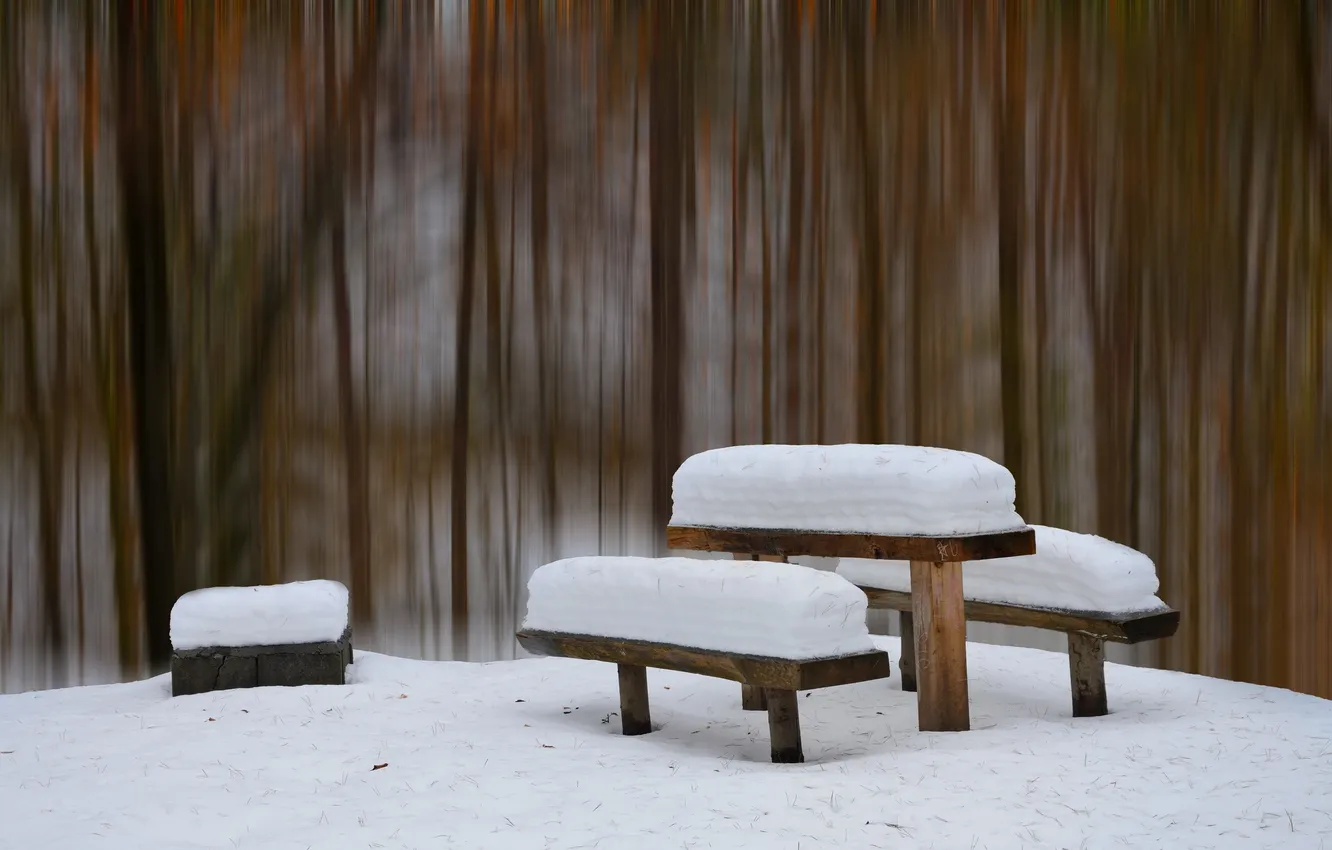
{"x":1070,"y":571}
{"x":270,"y":615}
{"x":889,"y":490}
{"x":776,"y":610}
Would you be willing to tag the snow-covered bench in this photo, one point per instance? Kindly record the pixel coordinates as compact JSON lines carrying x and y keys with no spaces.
{"x":782,"y":629}
{"x":245,"y":637}
{"x":1093,"y":589}
{"x":937,"y":508}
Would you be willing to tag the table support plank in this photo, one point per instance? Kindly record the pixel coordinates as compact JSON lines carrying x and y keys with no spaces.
{"x":940,"y":629}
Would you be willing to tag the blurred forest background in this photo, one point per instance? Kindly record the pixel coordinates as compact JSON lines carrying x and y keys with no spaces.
{"x":419,"y":296}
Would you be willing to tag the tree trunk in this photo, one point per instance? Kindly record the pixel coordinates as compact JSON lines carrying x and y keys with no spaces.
{"x":39,"y":415}
{"x":107,"y":363}
{"x":7,"y":625}
{"x":1241,"y":550}
{"x":819,"y":225}
{"x":755,"y":135}
{"x":1012,"y":239}
{"x":143,"y":220}
{"x":536,"y":89}
{"x":741,"y":145}
{"x":463,"y":336}
{"x":665,"y":164}
{"x":871,"y":335}
{"x":795,"y":229}
{"x":354,"y":469}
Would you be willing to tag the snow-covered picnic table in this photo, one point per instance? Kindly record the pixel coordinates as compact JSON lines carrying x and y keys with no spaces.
{"x":936,"y":508}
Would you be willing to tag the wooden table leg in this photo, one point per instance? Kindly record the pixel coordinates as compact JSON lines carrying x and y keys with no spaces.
{"x":635,"y":717}
{"x":941,"y":646}
{"x":752,"y":698}
{"x":907,"y":664}
{"x":784,"y":727}
{"x":1086,"y":668}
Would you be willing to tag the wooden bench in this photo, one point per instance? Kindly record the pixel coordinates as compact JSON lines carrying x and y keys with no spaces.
{"x":1087,"y":633}
{"x":936,"y":600}
{"x":1092,"y":589}
{"x":778,"y":678}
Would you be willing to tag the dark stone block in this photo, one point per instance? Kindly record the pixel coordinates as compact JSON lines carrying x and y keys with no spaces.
{"x":319,"y":668}
{"x":196,"y":674}
{"x":238,"y":671}
{"x":215,"y":668}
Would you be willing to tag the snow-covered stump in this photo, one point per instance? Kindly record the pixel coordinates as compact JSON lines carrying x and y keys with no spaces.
{"x":936,"y":508}
{"x":1092,"y":589}
{"x":776,"y":629}
{"x":275,"y":635}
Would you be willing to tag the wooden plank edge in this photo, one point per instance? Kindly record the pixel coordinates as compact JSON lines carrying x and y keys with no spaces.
{"x":788,"y":542}
{"x":806,"y":674}
{"x":1129,"y":628}
{"x":846,"y":670}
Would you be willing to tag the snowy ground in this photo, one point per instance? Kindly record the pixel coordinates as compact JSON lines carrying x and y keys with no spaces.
{"x":526,"y":754}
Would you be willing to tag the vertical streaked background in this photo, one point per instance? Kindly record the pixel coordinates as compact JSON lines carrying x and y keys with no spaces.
{"x":422,"y":295}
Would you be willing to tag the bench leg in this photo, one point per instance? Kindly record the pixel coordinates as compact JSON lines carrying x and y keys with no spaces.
{"x":784,"y":727}
{"x":940,"y":626}
{"x":907,"y":664}
{"x":1086,"y":668}
{"x":752,"y":698}
{"x":635,"y":719}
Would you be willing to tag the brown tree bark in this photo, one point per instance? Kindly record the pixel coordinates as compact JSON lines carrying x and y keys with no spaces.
{"x":819,"y":220}
{"x":540,"y":224}
{"x":1011,"y":137}
{"x":107,"y":361}
{"x":755,"y":134}
{"x":463,"y":334}
{"x":795,"y":231}
{"x":1275,"y":656}
{"x":665,"y":166}
{"x":57,"y":395}
{"x":871,"y":333}
{"x":1243,"y":598}
{"x":7,"y":626}
{"x":38,"y":409}
{"x":1112,"y":297}
{"x":354,"y":460}
{"x":737,"y":255}
{"x":143,"y":221}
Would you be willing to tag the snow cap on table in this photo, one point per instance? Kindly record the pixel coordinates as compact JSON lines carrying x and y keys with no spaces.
{"x":776,"y":610}
{"x":269,"y":615}
{"x":871,"y":489}
{"x":1070,"y":571}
